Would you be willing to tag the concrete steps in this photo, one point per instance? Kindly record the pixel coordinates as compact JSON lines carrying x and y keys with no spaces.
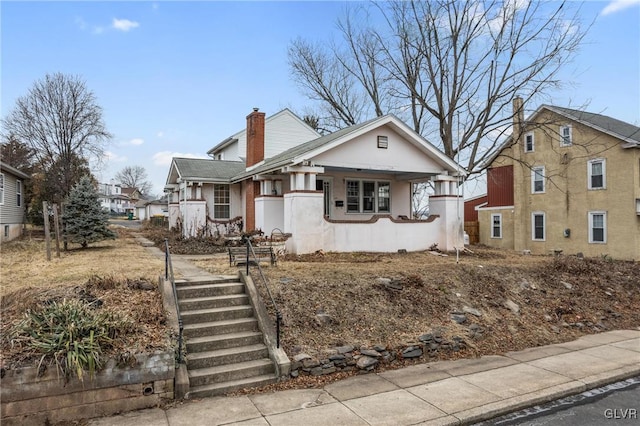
{"x":225,"y":348}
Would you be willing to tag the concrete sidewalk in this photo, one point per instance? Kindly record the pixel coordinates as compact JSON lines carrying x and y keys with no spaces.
{"x":440,"y":393}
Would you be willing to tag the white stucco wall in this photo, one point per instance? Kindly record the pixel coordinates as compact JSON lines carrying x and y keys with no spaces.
{"x":303,"y":219}
{"x":269,"y":214}
{"x":363,"y":153}
{"x":451,"y":212}
{"x":194,"y":217}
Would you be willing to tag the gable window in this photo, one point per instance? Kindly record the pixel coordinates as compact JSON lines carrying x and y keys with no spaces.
{"x":596,"y":174}
{"x":496,"y":225}
{"x":528,"y":142}
{"x":597,"y":227}
{"x":383,"y":142}
{"x":1,"y":188}
{"x":19,"y":193}
{"x":538,"y":226}
{"x":364,"y":196}
{"x":221,"y":205}
{"x":565,"y":136}
{"x":537,"y":180}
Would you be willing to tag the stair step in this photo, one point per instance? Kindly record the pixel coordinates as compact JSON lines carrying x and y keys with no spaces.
{"x":213,"y":302}
{"x":223,"y":341}
{"x":230,"y":386}
{"x":209,"y":289}
{"x":220,"y":280}
{"x":216,"y":314}
{"x":229,"y":372}
{"x":220,"y":327}
{"x":226,"y":356}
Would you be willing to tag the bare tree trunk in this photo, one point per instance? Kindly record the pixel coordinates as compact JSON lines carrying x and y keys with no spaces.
{"x":47,"y":236}
{"x":56,"y":222}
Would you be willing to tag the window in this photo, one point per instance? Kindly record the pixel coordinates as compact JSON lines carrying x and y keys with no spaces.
{"x":368,"y":196}
{"x":221,"y":206}
{"x":538,"y":226}
{"x":596,"y":173}
{"x":597,"y":227}
{"x":6,"y":231}
{"x":496,"y":225}
{"x":528,"y":142}
{"x":537,"y":180}
{"x":1,"y":188}
{"x":565,"y":135}
{"x":19,"y":193}
{"x":383,"y":142}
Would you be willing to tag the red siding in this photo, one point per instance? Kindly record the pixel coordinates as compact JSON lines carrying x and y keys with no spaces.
{"x":470,"y":212}
{"x":500,"y":186}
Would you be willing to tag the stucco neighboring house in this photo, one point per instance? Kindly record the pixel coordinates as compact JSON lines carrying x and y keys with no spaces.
{"x":346,"y":191}
{"x":146,"y":209}
{"x":12,"y":205}
{"x":569,"y":183}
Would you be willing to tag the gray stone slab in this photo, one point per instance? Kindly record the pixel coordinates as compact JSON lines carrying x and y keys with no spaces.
{"x":260,"y":421}
{"x":611,"y":376}
{"x":531,"y":354}
{"x":515,"y":380}
{"x":288,"y":400}
{"x":441,"y":421}
{"x":149,"y":417}
{"x":359,"y":386}
{"x":575,"y":365}
{"x":632,"y":345}
{"x":612,"y":353}
{"x":453,"y":395}
{"x":397,"y":407}
{"x":330,"y":414}
{"x":462,"y":367}
{"x":211,"y":411}
{"x":414,"y":375}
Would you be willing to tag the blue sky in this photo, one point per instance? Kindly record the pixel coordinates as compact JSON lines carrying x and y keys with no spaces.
{"x":176,"y":78}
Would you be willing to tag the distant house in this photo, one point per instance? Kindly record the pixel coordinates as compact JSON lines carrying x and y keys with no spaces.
{"x":12,"y":204}
{"x":147,"y":209}
{"x":346,"y":191}
{"x":114,"y":200}
{"x":569,"y":182}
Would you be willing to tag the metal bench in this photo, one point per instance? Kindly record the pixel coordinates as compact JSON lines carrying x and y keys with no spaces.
{"x":238,"y":255}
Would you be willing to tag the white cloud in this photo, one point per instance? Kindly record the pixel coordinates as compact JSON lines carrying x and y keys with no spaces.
{"x":160,"y":134}
{"x":124,"y":24}
{"x":136,"y":141}
{"x":97,"y":30}
{"x":618,"y":5}
{"x":163,"y":158}
{"x":112,"y":156}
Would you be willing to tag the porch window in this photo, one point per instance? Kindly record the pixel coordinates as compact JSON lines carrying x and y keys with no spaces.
{"x":368,"y":196}
{"x":221,"y":205}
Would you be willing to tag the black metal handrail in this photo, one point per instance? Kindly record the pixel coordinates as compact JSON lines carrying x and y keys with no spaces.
{"x":168,"y":274}
{"x":251,"y":252}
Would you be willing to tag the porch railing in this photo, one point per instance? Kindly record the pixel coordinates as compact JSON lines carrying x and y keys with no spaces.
{"x":251,"y":254}
{"x":168,"y":275}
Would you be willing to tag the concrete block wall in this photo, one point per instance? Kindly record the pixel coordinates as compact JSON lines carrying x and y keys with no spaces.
{"x":29,"y":399}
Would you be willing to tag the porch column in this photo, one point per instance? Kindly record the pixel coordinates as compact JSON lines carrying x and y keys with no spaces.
{"x":449,"y":206}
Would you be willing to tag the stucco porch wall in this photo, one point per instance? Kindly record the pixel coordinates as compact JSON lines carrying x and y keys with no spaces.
{"x":311,"y":231}
{"x":269,"y":213}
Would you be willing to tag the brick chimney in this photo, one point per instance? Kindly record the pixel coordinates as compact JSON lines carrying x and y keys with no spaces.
{"x":255,"y":137}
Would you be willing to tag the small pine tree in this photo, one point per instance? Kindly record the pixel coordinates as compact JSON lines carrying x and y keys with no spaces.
{"x":84,"y":219}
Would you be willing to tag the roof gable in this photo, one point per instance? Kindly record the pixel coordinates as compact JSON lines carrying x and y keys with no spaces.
{"x":200,"y":169}
{"x":12,"y":170}
{"x":312,"y":149}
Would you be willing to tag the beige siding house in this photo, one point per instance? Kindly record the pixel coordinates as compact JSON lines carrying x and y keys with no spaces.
{"x":12,"y":204}
{"x":576,"y":186}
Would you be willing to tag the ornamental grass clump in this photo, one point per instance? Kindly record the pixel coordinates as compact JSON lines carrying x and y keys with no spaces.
{"x":72,"y":334}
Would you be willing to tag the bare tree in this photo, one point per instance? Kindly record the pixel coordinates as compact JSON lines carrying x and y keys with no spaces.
{"x":451,"y":68}
{"x":134,"y":177}
{"x":61,"y":121}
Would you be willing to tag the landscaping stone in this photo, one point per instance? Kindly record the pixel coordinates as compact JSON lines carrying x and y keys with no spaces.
{"x":323,"y":319}
{"x":412,"y":352}
{"x":366,"y":362}
{"x":472,"y":311}
{"x":345,"y":349}
{"x":301,"y":357}
{"x":426,"y":337}
{"x":370,"y":352}
{"x":512,"y":306}
{"x":459,"y":318}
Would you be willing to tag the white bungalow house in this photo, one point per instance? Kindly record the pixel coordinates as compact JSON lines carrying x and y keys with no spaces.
{"x":346,"y":191}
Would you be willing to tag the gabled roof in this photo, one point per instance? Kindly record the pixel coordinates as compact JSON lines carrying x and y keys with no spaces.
{"x":614,"y":127}
{"x":619,"y":129}
{"x":205,"y":169}
{"x":13,"y":171}
{"x":315,"y":147}
{"x":240,"y":134}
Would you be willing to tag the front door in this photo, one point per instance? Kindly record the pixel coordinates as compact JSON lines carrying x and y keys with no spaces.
{"x":324,"y":185}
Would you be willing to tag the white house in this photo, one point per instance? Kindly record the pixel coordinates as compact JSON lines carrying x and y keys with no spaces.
{"x":347,"y":191}
{"x":113,"y":199}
